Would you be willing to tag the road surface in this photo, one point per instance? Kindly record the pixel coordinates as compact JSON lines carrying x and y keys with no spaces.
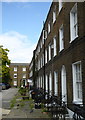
{"x":5,"y":97}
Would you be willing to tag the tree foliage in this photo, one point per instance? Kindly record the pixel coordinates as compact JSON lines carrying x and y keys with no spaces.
{"x":4,"y":65}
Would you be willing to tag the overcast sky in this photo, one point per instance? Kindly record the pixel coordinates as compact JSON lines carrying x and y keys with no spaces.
{"x":22,"y":23}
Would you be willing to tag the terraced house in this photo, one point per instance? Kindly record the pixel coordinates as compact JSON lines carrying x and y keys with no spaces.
{"x":59,"y":57}
{"x":19,"y":73}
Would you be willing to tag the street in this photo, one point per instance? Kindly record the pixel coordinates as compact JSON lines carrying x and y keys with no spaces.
{"x":5,"y":98}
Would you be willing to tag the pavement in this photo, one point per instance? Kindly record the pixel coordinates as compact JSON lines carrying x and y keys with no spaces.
{"x":5,"y":97}
{"x":24,"y":109}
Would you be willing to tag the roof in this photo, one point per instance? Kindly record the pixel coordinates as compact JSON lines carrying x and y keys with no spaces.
{"x":24,"y":64}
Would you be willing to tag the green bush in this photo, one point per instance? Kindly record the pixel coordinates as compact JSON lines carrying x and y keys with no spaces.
{"x":22,"y":91}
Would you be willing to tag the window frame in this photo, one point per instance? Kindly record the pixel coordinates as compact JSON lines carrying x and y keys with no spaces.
{"x":24,"y":69}
{"x":54,"y":16}
{"x":49,"y":49}
{"x":60,"y":5}
{"x":55,"y":46}
{"x":24,"y":76}
{"x":56,"y":83}
{"x":73,"y":23}
{"x":15,"y":74}
{"x":61,"y":38}
{"x":76,"y":99}
{"x":49,"y":27}
{"x":15,"y":69}
{"x":46,"y":55}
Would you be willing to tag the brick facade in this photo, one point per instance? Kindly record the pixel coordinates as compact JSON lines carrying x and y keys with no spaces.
{"x":65,"y":61}
{"x":19,"y":73}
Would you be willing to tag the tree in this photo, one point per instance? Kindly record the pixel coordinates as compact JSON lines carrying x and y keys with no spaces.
{"x":4,"y":65}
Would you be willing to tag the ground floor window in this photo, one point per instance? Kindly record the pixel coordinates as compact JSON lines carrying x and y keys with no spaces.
{"x":77,"y":82}
{"x":56,"y":83}
{"x":15,"y":83}
{"x":63,"y":84}
{"x":46,"y":82}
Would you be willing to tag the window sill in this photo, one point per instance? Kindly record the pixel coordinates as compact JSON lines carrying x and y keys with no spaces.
{"x":49,"y":32}
{"x":54,"y":22}
{"x":78,"y":102}
{"x":61,"y":50}
{"x":73,"y":39}
{"x":60,"y":10}
{"x":55,"y":55}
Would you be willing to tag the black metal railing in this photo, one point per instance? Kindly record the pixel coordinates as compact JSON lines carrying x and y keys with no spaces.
{"x":79,"y":112}
{"x":56,"y":107}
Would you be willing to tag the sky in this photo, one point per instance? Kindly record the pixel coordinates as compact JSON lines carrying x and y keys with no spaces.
{"x":22,"y":23}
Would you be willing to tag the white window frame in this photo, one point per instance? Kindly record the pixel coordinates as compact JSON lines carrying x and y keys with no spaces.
{"x":41,"y":44}
{"x":43,"y":81}
{"x":24,"y":75}
{"x":49,"y":51}
{"x":15,"y":83}
{"x":64,"y":83}
{"x":15,"y":68}
{"x":15,"y":75}
{"x":46,"y":83}
{"x":60,"y":5}
{"x":24,"y":69}
{"x":54,"y":16}
{"x":56,"y":83}
{"x":55,"y":49}
{"x":73,"y":23}
{"x":46,"y":55}
{"x":61,"y":38}
{"x":49,"y":27}
{"x":50,"y":83}
{"x":76,"y":98}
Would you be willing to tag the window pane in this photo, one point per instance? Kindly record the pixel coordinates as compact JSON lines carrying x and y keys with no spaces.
{"x":24,"y":69}
{"x":15,"y":75}
{"x":78,"y":80}
{"x":15,"y":68}
{"x":24,"y":76}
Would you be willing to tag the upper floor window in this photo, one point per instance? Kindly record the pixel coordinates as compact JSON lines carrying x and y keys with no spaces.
{"x":38,"y":48}
{"x":15,"y":75}
{"x":38,"y":64}
{"x":45,"y":34}
{"x":49,"y":49}
{"x":49,"y":27}
{"x":73,"y":23}
{"x":60,"y":5}
{"x":54,"y":41}
{"x":24,"y":75}
{"x":77,"y":82}
{"x":54,"y":16}
{"x":15,"y":68}
{"x":45,"y":55}
{"x":24,"y":68}
{"x":61,"y":38}
{"x":41,"y":44}
{"x":43,"y":59}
